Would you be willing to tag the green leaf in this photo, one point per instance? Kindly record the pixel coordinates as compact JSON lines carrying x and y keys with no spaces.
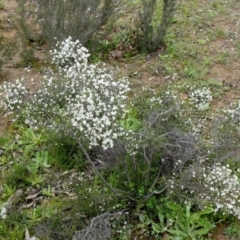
{"x":8,"y":190}
{"x":48,"y":191}
{"x":144,"y":219}
{"x":35,"y":179}
{"x":188,"y":207}
{"x":131,"y":124}
{"x":161,"y":218}
{"x":140,"y":225}
{"x":141,"y":217}
{"x":31,"y":138}
{"x":207,"y":211}
{"x":202,"y":231}
{"x":157,"y":228}
{"x":178,"y":233}
{"x":41,"y":159}
{"x":183,"y":225}
{"x":196,"y":216}
{"x":172,"y":206}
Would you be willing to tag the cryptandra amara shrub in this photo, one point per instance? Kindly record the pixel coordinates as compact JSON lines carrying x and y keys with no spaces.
{"x":79,"y":96}
{"x":216,"y":185}
{"x":209,"y":180}
{"x":87,"y":102}
{"x":161,"y":142}
{"x":199,"y":171}
{"x":81,"y":100}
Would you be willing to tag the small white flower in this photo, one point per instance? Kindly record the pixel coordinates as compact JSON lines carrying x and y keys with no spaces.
{"x":3,"y":213}
{"x":200,"y":98}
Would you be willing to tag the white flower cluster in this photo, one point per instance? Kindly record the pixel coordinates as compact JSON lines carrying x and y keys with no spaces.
{"x":155,"y":101}
{"x":233,"y":113}
{"x":196,"y":125}
{"x":82,"y":97}
{"x":221,"y":187}
{"x":15,"y":94}
{"x":169,"y":95}
{"x":167,"y":99}
{"x":200,"y":98}
{"x":3,"y":213}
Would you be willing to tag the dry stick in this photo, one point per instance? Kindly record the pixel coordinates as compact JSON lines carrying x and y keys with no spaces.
{"x":126,"y":170}
{"x":148,"y":163}
{"x":94,"y":219}
{"x":154,"y":192}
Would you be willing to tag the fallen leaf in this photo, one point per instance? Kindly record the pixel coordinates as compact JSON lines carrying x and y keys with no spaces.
{"x":29,"y":205}
{"x":14,"y":199}
{"x":27,"y":236}
{"x":32,"y":195}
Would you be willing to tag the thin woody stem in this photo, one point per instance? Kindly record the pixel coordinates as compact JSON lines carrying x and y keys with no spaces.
{"x":95,"y":169}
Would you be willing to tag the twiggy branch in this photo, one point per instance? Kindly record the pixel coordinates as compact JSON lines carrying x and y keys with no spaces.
{"x":95,"y":169}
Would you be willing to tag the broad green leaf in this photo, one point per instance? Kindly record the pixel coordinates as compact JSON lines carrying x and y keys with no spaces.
{"x":188,"y":207}
{"x":182,"y":225}
{"x":202,"y":231}
{"x":196,"y":216}
{"x":172,"y":206}
{"x":207,"y":211}
{"x":177,"y":233}
{"x":157,"y":228}
{"x":144,"y":219}
{"x":161,"y":218}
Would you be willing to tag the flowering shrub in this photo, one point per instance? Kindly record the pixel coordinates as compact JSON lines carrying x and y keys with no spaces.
{"x":233,"y":113}
{"x":215,"y":185}
{"x":201,"y":98}
{"x":80,"y":98}
{"x":222,"y":188}
{"x":168,"y":98}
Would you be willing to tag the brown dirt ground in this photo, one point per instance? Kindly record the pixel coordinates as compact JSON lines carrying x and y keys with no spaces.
{"x":143,"y":72}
